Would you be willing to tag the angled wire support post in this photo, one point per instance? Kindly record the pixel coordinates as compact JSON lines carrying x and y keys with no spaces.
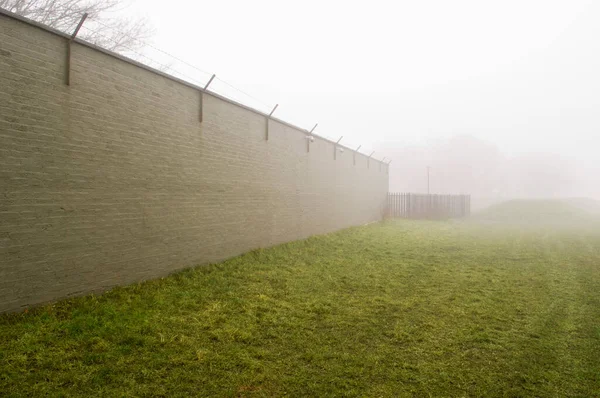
{"x":268,"y":121}
{"x":382,"y":161}
{"x":335,"y":148}
{"x":310,"y":138}
{"x":69,"y":45}
{"x":209,"y":81}
{"x":354,"y":155}
{"x":369,"y":160}
{"x":201,"y":111}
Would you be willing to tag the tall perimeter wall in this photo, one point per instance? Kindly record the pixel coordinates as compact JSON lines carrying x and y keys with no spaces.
{"x":114,"y":179}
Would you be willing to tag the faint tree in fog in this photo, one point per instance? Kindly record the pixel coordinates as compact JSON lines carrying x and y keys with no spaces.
{"x":113,"y":33}
{"x":465,"y":164}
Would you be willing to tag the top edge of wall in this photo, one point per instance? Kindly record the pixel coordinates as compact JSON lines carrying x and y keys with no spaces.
{"x":171,"y":77}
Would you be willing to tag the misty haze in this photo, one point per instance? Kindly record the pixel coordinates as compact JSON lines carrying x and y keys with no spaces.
{"x":306,"y":199}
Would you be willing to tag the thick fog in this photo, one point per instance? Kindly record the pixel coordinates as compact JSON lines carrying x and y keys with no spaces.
{"x":500,"y":98}
{"x":465,"y":164}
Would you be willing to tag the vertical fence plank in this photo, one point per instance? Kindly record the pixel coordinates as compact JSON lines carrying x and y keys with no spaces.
{"x":400,"y":209}
{"x":403,"y":201}
{"x":403,"y":205}
{"x":400,"y":205}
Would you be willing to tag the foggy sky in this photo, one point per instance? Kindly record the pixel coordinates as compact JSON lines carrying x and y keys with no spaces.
{"x":520,"y":76}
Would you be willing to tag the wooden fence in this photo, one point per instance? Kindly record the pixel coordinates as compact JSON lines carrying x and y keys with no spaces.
{"x":413,"y":205}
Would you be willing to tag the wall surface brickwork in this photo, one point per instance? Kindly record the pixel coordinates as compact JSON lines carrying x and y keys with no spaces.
{"x":113,"y":179}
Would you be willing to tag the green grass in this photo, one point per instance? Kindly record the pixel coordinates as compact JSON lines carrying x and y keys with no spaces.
{"x":401,"y":308}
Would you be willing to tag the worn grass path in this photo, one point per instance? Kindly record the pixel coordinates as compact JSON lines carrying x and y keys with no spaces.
{"x":393,"y":309}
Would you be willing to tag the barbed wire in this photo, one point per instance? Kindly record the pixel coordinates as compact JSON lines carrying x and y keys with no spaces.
{"x":161,"y":66}
{"x":145,"y":43}
{"x":157,"y":49}
{"x":167,"y":68}
{"x":243,"y":92}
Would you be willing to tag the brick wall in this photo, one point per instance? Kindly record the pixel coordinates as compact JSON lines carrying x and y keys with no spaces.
{"x":113,"y":179}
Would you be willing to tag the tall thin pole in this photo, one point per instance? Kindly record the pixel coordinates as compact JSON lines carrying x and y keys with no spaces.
{"x":428,"y":179}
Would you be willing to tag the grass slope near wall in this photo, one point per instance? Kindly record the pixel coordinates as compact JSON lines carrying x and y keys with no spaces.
{"x":400,"y":308}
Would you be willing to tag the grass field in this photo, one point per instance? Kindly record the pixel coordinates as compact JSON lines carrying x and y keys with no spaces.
{"x":400,"y":308}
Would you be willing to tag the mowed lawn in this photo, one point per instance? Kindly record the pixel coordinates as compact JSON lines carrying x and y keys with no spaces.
{"x":400,"y":308}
